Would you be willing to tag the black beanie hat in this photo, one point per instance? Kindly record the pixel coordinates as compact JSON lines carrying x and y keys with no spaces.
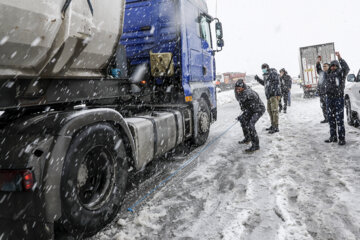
{"x":240,"y":83}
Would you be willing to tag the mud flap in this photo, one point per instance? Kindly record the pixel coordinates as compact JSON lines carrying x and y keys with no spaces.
{"x":32,"y":230}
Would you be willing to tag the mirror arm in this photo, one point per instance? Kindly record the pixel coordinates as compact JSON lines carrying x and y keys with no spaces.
{"x":217,"y":50}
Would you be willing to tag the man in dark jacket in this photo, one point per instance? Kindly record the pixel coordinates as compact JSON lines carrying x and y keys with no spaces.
{"x":334,"y":88}
{"x":271,"y":83}
{"x":285,"y":83}
{"x":321,"y":87}
{"x":253,"y":108}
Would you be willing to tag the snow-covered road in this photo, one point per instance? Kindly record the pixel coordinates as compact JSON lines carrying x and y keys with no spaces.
{"x":295,"y":187}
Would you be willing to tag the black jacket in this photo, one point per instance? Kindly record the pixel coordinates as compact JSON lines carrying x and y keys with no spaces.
{"x":271,"y":83}
{"x":285,"y":83}
{"x":321,"y":88}
{"x":250,"y":101}
{"x":335,"y":80}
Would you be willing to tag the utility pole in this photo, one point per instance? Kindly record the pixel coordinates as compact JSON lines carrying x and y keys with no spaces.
{"x":216,"y":4}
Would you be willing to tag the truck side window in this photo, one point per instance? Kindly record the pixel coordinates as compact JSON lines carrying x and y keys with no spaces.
{"x":205,"y":32}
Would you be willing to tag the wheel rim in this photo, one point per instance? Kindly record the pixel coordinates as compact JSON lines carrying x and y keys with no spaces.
{"x":95,"y":178}
{"x":204,"y":122}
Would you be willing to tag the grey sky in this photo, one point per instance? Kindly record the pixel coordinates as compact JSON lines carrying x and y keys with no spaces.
{"x":272,"y":31}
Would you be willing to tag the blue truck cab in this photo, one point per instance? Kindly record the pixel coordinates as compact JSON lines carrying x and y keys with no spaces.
{"x":177,"y":35}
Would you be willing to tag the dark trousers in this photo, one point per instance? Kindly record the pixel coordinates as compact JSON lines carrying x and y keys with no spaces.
{"x":335,"y":108}
{"x":323,"y":106}
{"x":285,"y":99}
{"x":248,"y":121}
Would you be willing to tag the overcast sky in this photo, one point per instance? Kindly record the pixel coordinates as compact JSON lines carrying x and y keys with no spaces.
{"x":272,"y":31}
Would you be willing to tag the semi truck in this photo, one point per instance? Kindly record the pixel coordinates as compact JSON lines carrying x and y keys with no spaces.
{"x":90,"y":90}
{"x":307,"y":62}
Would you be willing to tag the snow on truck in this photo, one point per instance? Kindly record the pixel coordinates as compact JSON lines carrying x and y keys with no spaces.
{"x":89,"y":90}
{"x":307,"y":61}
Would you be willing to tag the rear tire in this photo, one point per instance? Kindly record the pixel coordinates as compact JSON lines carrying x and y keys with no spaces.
{"x":356,"y":119}
{"x":204,"y":119}
{"x":93,"y":180}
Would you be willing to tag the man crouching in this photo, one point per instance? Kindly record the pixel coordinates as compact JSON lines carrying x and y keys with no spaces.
{"x":253,"y":108}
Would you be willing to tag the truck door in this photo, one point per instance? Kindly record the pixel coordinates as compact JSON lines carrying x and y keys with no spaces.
{"x":206,"y":48}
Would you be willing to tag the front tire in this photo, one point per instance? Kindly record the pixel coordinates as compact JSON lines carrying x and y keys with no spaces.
{"x":357,"y":122}
{"x":204,"y":119}
{"x":93,"y":180}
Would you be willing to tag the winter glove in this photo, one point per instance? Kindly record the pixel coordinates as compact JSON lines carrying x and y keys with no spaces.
{"x":257,"y":78}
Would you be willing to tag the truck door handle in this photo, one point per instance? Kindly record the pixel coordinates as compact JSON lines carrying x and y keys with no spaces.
{"x":204,"y":70}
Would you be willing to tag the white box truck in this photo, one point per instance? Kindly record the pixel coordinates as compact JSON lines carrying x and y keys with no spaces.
{"x":308,"y":74}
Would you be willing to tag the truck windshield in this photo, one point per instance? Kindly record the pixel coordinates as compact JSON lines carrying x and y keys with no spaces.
{"x":205,"y":32}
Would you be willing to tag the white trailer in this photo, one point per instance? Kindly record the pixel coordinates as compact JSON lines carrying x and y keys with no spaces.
{"x":308,"y":56}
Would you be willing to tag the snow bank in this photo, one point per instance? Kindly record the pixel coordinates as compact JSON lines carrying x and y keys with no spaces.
{"x":225,"y":97}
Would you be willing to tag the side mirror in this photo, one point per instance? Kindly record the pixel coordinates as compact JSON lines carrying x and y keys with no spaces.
{"x":220,"y":43}
{"x":351,"y":78}
{"x":219,"y":30}
{"x":219,"y":34}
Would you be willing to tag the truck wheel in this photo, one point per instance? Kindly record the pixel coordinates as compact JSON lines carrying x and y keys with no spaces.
{"x":356,"y":120}
{"x":203,"y":127}
{"x":349,"y":115}
{"x":93,"y":180}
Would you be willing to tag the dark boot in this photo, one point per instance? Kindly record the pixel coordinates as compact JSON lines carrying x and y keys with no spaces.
{"x":244,"y":141}
{"x":324,"y":121}
{"x":284,"y":110}
{"x":342,"y":142}
{"x":269,"y":128}
{"x":280,"y":106}
{"x":274,"y":130}
{"x":331,"y":139}
{"x":252,"y":149}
